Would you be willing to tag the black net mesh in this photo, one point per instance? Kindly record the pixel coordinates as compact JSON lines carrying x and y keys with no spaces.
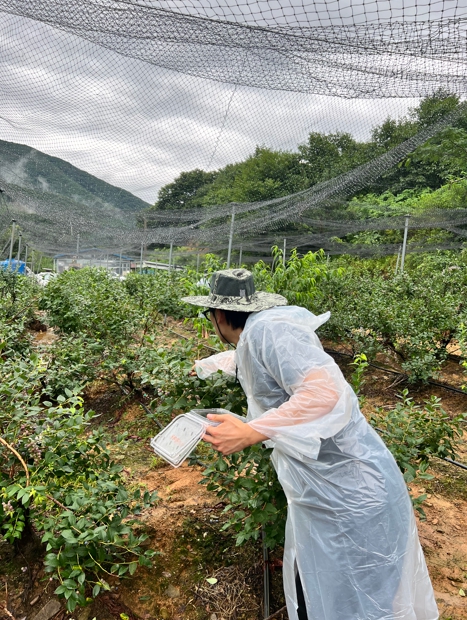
{"x":134,"y":93}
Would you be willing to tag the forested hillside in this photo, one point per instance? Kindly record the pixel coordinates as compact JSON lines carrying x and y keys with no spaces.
{"x":268,"y":174}
{"x":31,"y":170}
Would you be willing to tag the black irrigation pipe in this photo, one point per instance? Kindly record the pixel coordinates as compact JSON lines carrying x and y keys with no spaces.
{"x":395,"y":372}
{"x":450,"y":388}
{"x":146,"y":409}
{"x":205,"y":346}
{"x":448,"y":460}
{"x":441,"y":458}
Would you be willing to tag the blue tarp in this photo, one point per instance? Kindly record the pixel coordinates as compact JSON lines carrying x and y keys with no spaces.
{"x":14,"y":265}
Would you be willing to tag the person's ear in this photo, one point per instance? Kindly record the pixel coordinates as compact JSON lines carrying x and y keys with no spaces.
{"x":220,"y":316}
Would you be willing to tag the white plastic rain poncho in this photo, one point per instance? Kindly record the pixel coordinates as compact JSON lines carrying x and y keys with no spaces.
{"x":351,"y":532}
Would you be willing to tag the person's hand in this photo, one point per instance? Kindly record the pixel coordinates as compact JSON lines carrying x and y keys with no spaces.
{"x":232,"y":435}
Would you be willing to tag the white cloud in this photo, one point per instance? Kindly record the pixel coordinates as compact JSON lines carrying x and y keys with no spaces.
{"x":137,"y":125}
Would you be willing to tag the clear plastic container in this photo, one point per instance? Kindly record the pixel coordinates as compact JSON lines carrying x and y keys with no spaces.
{"x":179,"y":438}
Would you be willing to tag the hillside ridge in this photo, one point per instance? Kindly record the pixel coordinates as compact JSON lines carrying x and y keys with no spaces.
{"x":26,"y":167}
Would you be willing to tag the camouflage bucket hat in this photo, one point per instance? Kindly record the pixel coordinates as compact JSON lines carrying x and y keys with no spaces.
{"x":234,"y":289}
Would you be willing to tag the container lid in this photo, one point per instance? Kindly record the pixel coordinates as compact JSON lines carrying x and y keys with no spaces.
{"x":179,"y":438}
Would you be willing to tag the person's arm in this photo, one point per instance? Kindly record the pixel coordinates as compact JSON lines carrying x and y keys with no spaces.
{"x":224,"y":361}
{"x":232,"y":435}
{"x":314,"y":398}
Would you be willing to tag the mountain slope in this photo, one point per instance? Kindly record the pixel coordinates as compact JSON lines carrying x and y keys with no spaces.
{"x":23,"y":166}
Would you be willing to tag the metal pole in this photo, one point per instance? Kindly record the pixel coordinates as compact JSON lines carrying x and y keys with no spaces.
{"x":170,"y":255}
{"x":284,"y":252}
{"x":229,"y":253}
{"x":266,"y":613}
{"x":144,"y":238}
{"x":404,"y":244}
{"x":77,"y":247}
{"x":26,"y":256}
{"x":398,"y":259}
{"x":12,"y":241}
{"x":240,"y":256}
{"x":141,"y":259}
{"x":120,"y":266}
{"x":197,"y":263}
{"x":18,"y":256}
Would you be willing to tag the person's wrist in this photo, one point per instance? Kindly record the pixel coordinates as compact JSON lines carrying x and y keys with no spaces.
{"x":254,"y":436}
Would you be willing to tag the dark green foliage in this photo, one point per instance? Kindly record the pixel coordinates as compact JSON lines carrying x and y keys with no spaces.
{"x":247,"y":482}
{"x":325,"y":156}
{"x":169,"y":374}
{"x":18,"y":295}
{"x":187,"y":191}
{"x":413,"y":316}
{"x":264,"y":175}
{"x":89,"y":301}
{"x":158,"y":293}
{"x":416,"y":433}
{"x":70,"y":362}
{"x":72,"y":494}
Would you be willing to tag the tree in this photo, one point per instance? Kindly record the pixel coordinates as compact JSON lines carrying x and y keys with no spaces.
{"x":393,"y":132}
{"x":186,"y":191}
{"x":264,"y":175}
{"x":327,"y":155}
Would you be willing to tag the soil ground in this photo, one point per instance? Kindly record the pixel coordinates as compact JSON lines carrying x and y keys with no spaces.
{"x":185,"y":528}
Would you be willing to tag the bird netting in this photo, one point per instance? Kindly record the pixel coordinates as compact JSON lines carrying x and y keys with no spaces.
{"x":137,"y":92}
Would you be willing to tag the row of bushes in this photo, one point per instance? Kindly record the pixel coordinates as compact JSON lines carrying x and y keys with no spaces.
{"x":109,"y":330}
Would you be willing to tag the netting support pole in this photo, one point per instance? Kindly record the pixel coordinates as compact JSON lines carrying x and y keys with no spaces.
{"x":398,"y":259}
{"x":145,"y":232}
{"x":265,"y":576}
{"x":284,"y":252}
{"x":229,"y":253}
{"x":26,"y":255}
{"x":77,"y":247}
{"x":141,"y":259}
{"x":18,"y":256}
{"x":170,"y":255}
{"x":120,"y":266}
{"x":197,"y":263}
{"x":240,"y":256}
{"x":404,"y":243}
{"x":12,"y":241}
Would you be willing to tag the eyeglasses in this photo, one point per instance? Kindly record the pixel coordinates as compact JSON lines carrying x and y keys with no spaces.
{"x":206,"y":313}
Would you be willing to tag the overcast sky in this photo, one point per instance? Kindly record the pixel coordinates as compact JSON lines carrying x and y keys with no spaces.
{"x":138,"y":126}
